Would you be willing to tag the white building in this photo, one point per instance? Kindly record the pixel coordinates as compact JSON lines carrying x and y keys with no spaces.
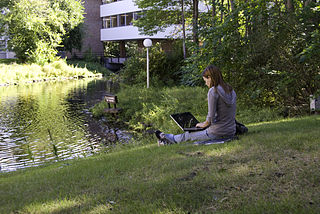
{"x":117,"y":18}
{"x":4,"y":52}
{"x":117,"y":24}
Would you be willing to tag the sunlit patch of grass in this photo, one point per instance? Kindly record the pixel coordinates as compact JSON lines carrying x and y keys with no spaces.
{"x":20,"y":73}
{"x":94,"y":67}
{"x":56,"y":206}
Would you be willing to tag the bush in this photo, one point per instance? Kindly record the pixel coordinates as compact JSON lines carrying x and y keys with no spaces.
{"x":163,"y":67}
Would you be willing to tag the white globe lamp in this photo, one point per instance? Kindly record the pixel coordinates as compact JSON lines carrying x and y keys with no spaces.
{"x":147,"y":43}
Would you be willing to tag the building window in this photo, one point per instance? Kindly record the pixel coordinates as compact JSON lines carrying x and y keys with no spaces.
{"x":129,"y":19}
{"x":125,"y":19}
{"x":106,"y":22}
{"x":114,"y":21}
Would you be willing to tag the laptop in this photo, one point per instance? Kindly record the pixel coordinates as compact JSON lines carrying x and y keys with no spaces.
{"x":186,"y":121}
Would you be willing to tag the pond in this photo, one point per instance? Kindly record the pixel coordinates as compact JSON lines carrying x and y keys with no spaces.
{"x":49,"y":121}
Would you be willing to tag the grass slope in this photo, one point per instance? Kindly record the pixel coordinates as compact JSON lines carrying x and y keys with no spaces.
{"x":272,"y":169}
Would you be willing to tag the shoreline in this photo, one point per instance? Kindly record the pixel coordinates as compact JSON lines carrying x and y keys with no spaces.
{"x":51,"y":79}
{"x":16,"y":74}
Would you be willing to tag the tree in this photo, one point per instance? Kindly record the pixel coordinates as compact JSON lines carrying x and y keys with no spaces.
{"x":183,"y":30}
{"x":268,"y":49}
{"x":195,"y":16}
{"x":36,"y":28}
{"x":159,"y":14}
{"x":73,"y":39}
{"x":3,"y":8}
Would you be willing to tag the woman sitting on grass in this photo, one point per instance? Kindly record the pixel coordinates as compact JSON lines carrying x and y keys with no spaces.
{"x":220,"y":120}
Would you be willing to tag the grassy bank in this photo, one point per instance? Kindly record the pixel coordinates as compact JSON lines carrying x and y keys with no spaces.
{"x":93,"y":66}
{"x":272,"y":169}
{"x":13,"y":73}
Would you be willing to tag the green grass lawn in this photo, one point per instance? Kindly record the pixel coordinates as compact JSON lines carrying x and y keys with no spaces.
{"x":272,"y":169}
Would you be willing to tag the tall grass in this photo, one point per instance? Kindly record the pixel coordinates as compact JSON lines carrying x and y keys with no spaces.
{"x":19,"y":73}
{"x":151,"y":108}
{"x":90,"y":65}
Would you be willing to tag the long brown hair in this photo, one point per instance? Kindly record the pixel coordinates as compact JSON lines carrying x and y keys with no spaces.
{"x":216,"y":78}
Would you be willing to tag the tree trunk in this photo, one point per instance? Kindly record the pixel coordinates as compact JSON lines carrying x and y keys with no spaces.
{"x":307,"y":2}
{"x":214,"y":12}
{"x":222,"y":14}
{"x":247,"y":25}
{"x":289,"y":6}
{"x":183,"y":31}
{"x":122,"y":48}
{"x":195,"y":21}
{"x":232,"y":4}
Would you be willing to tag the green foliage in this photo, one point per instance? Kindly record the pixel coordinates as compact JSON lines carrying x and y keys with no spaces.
{"x":267,"y":53}
{"x":36,"y":28}
{"x":157,"y":15}
{"x":92,"y":66}
{"x":163,"y":67}
{"x":112,"y":49}
{"x":7,"y":61}
{"x":145,"y":109}
{"x":153,"y":106}
{"x":73,"y":38}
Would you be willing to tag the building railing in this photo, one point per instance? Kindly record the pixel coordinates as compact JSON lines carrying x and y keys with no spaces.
{"x":116,"y":60}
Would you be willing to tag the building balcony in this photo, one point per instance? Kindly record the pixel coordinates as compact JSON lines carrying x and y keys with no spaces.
{"x":132,"y":33}
{"x":119,"y":7}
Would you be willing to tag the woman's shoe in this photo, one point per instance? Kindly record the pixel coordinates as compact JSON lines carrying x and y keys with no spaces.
{"x":159,"y":134}
{"x":164,"y":139}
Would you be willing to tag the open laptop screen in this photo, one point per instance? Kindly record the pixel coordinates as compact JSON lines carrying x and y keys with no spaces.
{"x":185,"y":120}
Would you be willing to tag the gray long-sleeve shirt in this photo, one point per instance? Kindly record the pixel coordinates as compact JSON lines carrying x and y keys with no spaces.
{"x":221,"y":112}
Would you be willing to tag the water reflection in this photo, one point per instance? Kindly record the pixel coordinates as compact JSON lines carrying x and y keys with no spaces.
{"x":47,"y":121}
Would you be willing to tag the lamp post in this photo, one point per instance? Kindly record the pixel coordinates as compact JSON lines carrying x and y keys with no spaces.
{"x":147,"y":43}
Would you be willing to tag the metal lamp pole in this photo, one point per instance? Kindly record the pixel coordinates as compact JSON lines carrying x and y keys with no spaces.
{"x":147,"y":43}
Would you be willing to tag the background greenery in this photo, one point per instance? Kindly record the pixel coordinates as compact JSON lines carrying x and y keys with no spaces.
{"x":268,"y":50}
{"x":147,"y":109}
{"x":163,"y":66}
{"x":37,"y":28}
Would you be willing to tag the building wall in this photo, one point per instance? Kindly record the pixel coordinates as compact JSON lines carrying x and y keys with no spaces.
{"x":92,"y":25}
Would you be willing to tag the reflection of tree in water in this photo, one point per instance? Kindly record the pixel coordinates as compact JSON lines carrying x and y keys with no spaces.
{"x":16,"y":114}
{"x":48,"y":120}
